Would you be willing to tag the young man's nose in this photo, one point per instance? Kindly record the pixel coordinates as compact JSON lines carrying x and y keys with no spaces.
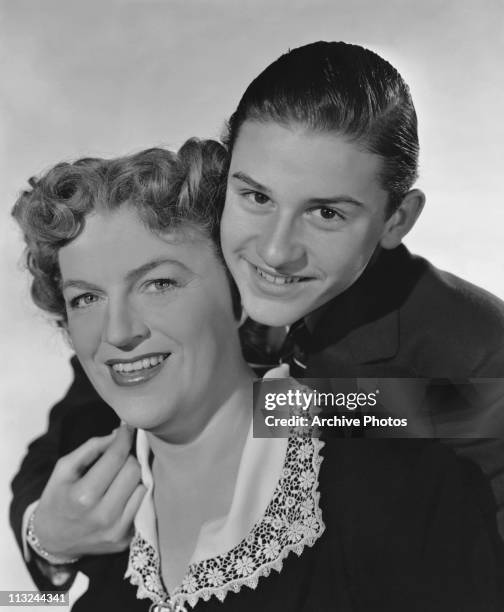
{"x":124,"y":328}
{"x":279,"y":246}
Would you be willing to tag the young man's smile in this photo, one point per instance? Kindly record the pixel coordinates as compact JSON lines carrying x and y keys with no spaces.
{"x":304,"y":214}
{"x":272,"y":280}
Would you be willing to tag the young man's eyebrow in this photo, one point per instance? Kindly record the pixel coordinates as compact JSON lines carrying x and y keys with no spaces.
{"x":337,"y":199}
{"x":242,"y":176}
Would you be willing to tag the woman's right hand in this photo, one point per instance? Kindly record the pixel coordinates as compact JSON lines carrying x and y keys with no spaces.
{"x":91,"y":498}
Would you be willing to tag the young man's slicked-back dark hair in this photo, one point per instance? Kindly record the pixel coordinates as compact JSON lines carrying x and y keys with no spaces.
{"x":341,"y":88}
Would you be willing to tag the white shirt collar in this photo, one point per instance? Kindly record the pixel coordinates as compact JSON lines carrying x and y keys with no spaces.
{"x":274,"y":511}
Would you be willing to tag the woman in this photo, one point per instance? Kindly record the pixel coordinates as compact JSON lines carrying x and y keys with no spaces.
{"x":123,"y":252}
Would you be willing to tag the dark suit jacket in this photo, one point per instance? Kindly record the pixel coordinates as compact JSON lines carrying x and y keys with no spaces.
{"x":405,"y":318}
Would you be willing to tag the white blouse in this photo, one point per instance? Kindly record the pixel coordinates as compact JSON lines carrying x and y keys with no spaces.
{"x":274,"y":510}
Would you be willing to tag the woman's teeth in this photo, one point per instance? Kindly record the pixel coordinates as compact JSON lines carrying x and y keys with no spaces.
{"x":141,"y":364}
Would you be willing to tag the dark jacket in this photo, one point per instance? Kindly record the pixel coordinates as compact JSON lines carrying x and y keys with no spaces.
{"x":405,"y":318}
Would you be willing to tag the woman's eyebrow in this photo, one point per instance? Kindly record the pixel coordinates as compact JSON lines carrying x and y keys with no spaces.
{"x":137,"y":273}
{"x":79,"y":284}
{"x":130,"y":277}
{"x":242,"y":176}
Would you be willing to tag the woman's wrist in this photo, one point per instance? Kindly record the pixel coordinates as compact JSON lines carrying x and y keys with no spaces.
{"x":36,"y":546}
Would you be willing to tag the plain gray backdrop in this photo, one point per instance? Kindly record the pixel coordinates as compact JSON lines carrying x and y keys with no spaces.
{"x":107,"y":77}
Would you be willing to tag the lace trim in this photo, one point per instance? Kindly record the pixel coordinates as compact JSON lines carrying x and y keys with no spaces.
{"x":292,"y":520}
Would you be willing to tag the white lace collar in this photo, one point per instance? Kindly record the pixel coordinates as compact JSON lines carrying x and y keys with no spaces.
{"x":268,"y":519}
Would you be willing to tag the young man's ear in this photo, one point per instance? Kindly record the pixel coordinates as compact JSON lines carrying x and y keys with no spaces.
{"x":403,"y":219}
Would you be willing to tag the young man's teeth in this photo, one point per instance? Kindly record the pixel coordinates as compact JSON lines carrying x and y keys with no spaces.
{"x":278,"y":280}
{"x":141,"y":364}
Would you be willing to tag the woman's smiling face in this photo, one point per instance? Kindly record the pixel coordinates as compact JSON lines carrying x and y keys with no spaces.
{"x":304,"y":213}
{"x":151,"y":320}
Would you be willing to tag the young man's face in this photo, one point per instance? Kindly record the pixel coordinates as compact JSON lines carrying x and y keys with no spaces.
{"x":304,"y":213}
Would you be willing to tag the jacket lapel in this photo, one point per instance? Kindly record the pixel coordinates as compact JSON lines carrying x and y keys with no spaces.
{"x":361,"y":326}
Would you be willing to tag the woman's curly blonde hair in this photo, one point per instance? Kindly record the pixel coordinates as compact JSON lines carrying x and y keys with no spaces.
{"x":168,"y":191}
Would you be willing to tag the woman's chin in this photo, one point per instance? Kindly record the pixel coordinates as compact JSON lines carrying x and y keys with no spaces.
{"x":141,"y":415}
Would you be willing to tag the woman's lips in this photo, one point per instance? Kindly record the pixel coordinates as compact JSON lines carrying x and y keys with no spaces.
{"x":127,"y":373}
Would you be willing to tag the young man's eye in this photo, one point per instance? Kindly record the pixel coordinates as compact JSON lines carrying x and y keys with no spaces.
{"x":256,"y":197}
{"x":328,"y":213}
{"x":160,"y":285}
{"x":82,"y":301}
{"x":325,"y":213}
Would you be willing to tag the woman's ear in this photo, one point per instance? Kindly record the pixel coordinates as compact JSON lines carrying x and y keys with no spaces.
{"x":403,"y":219}
{"x":66,"y":334}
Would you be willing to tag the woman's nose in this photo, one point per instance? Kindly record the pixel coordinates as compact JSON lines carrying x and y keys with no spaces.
{"x":279,"y":246}
{"x":124,"y":328}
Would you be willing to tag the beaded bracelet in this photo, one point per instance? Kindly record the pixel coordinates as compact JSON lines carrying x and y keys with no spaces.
{"x":34,"y":542}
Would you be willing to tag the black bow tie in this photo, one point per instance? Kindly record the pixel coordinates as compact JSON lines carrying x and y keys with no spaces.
{"x":294,"y":349}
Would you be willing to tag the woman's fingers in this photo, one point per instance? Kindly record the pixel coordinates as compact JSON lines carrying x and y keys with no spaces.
{"x":96,"y":481}
{"x":115,"y":500}
{"x":71,"y":467}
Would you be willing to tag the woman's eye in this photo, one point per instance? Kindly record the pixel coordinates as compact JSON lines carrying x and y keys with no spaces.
{"x":160,"y":285}
{"x":84,"y":300}
{"x":256,"y":197}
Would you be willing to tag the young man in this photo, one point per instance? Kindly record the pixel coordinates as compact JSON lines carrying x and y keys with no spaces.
{"x":324,"y":156}
{"x":320,"y":194}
